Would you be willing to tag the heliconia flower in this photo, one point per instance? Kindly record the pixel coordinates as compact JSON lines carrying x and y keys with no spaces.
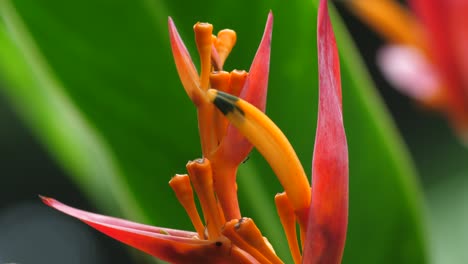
{"x":320,"y":210}
{"x":427,"y":57}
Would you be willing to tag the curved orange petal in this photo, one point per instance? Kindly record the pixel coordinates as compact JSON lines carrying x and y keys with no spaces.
{"x":270,"y":141}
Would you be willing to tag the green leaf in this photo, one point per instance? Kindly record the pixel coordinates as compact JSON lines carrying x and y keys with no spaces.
{"x":96,"y":81}
{"x":449,"y":216}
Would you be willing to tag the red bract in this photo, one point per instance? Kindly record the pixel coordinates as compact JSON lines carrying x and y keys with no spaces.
{"x":224,"y":236}
{"x":328,"y":217}
{"x":171,"y":245}
{"x":427,"y":56}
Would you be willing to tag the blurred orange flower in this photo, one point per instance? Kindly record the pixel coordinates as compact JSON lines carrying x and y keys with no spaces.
{"x":427,"y":57}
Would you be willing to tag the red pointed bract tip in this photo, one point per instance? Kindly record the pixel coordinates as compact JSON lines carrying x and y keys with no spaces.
{"x":255,"y":89}
{"x":166,"y":244}
{"x":47,"y":200}
{"x":326,"y":230}
{"x":186,"y":69}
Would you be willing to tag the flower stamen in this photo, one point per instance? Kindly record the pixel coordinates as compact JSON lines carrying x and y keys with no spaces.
{"x":184,"y":193}
{"x":202,"y":179}
{"x":288,"y":220}
{"x":203,"y":40}
{"x":244,"y":234}
{"x":224,"y":43}
{"x":220,"y":80}
{"x":238,"y":79}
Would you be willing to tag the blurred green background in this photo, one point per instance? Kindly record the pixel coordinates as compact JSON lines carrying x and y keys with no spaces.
{"x":92,"y":113}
